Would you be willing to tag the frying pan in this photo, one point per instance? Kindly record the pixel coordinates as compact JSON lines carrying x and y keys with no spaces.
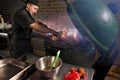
{"x":94,"y":20}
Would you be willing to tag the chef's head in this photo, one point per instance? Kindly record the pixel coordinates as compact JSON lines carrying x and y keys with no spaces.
{"x":32,"y":6}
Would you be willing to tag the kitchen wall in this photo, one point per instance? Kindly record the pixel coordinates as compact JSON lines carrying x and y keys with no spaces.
{"x":8,"y":8}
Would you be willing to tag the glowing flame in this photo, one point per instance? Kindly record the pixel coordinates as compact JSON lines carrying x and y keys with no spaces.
{"x":75,"y":35}
{"x":54,"y":38}
{"x":64,"y":34}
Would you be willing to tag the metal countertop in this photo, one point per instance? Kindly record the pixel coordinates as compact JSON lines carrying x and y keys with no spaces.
{"x":63,"y":70}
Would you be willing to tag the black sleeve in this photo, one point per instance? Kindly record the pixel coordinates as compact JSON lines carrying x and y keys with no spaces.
{"x":24,"y":19}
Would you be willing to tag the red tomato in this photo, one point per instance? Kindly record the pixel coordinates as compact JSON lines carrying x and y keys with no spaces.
{"x":85,"y":75}
{"x":81,"y":70}
{"x":74,"y":75}
{"x":73,"y":69}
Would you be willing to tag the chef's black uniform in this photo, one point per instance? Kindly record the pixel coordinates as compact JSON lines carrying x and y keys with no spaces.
{"x":22,"y":33}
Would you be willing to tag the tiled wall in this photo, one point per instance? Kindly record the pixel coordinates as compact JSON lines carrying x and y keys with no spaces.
{"x":8,"y":8}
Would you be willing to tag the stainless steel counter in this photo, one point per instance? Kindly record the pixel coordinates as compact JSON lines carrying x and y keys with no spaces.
{"x":32,"y":74}
{"x":65,"y":68}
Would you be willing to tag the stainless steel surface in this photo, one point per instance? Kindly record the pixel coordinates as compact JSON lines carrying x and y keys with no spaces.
{"x":2,"y":34}
{"x":16,"y":77}
{"x":60,"y":76}
{"x":9,"y":67}
{"x":43,"y":66}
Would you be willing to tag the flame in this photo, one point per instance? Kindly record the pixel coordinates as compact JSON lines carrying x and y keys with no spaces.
{"x":75,"y":35}
{"x":54,"y":38}
{"x":64,"y":34}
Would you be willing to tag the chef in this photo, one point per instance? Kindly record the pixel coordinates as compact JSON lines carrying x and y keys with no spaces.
{"x":23,"y":25}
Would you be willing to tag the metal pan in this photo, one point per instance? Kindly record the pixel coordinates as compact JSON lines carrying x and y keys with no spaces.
{"x":10,"y":68}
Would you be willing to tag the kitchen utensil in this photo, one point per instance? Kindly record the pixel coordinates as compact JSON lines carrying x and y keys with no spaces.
{"x":43,"y":66}
{"x":55,"y":59}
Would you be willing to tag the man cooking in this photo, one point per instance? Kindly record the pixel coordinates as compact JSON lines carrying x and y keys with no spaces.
{"x":23,"y":24}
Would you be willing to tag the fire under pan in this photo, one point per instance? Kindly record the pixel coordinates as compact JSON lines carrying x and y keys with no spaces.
{"x":9,"y":67}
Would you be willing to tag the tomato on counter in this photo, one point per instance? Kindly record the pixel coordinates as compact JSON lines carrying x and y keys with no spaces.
{"x":76,"y":74}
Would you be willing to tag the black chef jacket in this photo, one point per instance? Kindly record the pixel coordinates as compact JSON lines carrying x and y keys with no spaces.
{"x":22,"y":33}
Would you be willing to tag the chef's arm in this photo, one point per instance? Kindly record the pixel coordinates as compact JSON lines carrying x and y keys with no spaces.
{"x":40,"y":27}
